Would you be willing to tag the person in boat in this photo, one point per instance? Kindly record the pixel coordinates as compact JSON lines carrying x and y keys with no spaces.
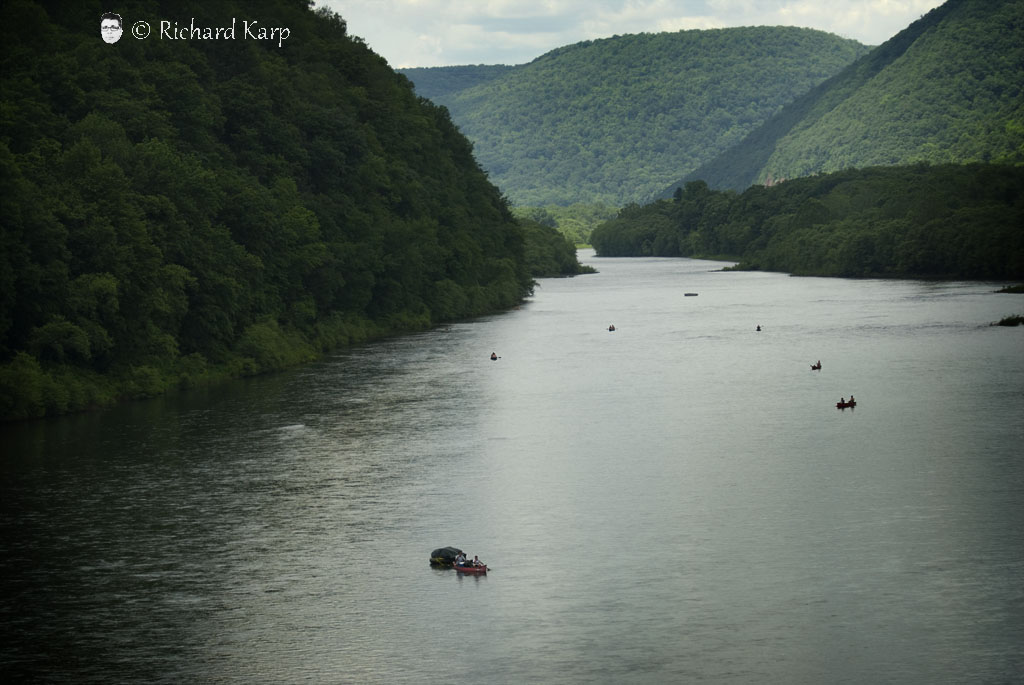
{"x":460,"y":559}
{"x":494,"y":356}
{"x":476,"y":561}
{"x":851,"y":399}
{"x":759,"y":327}
{"x":842,"y":400}
{"x":612,"y":327}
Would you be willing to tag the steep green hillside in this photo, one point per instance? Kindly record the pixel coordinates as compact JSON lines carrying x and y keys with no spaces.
{"x":949,"y":88}
{"x":442,"y":83}
{"x":178,"y":211}
{"x":615,"y":120}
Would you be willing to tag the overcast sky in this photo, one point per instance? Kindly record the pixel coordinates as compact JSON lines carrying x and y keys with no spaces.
{"x":433,"y":33}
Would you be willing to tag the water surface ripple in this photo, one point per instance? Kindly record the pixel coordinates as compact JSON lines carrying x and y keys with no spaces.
{"x":675,"y":501}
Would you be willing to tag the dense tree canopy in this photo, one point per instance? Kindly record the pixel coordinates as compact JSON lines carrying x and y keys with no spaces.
{"x":964,"y":221}
{"x":180,"y":210}
{"x":615,"y":120}
{"x":948,"y":88}
{"x":439,"y":84}
{"x":575,"y":221}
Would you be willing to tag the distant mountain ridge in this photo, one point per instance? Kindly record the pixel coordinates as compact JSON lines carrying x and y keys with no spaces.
{"x":442,"y":83}
{"x":948,"y":88}
{"x":615,"y":120}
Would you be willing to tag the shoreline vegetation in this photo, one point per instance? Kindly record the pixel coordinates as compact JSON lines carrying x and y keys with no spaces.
{"x":177,"y":215}
{"x":919,"y":221}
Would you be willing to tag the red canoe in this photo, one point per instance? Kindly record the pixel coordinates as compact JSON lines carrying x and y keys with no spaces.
{"x":482,"y":568}
{"x":844,"y":405}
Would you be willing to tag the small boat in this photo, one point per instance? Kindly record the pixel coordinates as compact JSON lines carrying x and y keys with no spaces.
{"x":816,"y":367}
{"x":612,"y":327}
{"x":482,"y":568}
{"x":845,"y":405}
{"x":690,"y":294}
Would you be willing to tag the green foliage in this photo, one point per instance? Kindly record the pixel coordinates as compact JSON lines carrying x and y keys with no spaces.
{"x":59,"y":339}
{"x":438,"y":83}
{"x":178,"y":212}
{"x":615,"y":120}
{"x":22,"y":383}
{"x":265,"y":346}
{"x":28,"y":390}
{"x":549,"y":253}
{"x":947,"y":89}
{"x":575,"y":222}
{"x":964,"y":221}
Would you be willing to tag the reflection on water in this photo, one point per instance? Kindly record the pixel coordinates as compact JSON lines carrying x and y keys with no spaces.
{"x":678,"y":500}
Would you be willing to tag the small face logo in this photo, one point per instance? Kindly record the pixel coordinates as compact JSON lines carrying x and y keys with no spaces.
{"x":110,"y":27}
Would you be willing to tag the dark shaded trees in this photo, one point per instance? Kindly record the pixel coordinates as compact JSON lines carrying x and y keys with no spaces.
{"x":961,"y":221}
{"x":175,"y":212}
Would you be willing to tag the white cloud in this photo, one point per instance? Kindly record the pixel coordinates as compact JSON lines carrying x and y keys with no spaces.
{"x":869,"y":21}
{"x":445,"y":32}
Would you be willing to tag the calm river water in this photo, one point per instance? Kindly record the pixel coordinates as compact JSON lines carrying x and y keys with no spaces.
{"x":675,"y":501}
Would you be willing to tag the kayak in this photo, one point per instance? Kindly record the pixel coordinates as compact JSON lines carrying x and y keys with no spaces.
{"x":482,"y":568}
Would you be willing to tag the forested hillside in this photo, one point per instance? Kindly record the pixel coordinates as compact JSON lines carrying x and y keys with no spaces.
{"x":181,"y":210}
{"x":615,"y":120}
{"x":440,"y":84}
{"x":949,"y":88}
{"x":961,"y":221}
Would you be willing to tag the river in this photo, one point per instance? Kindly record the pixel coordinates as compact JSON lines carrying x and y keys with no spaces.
{"x":675,"y":501}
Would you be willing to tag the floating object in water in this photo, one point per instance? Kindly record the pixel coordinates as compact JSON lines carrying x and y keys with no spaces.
{"x":690,"y":294}
{"x":444,"y":556}
{"x":468,"y":568}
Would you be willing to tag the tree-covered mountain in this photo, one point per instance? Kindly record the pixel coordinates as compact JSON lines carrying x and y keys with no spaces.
{"x":176,"y":210}
{"x":948,"y":88}
{"x":440,"y":84}
{"x":615,"y":120}
{"x":961,"y":221}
